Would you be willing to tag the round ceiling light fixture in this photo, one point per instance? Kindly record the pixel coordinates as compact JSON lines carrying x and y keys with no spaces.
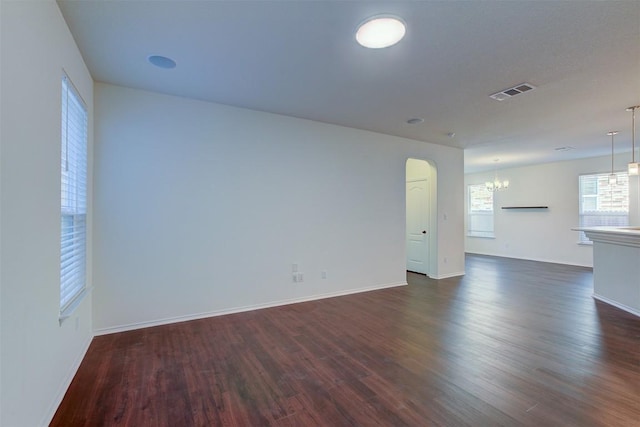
{"x":162,"y":61}
{"x":380,"y":31}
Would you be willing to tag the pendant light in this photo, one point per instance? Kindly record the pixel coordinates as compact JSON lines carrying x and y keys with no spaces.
{"x":633,"y":167}
{"x":613,"y":178}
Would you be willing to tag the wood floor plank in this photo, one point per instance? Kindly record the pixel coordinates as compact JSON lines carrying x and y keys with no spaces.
{"x":513,"y":343}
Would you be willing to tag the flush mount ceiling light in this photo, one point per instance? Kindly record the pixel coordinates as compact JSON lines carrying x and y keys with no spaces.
{"x":162,"y":61}
{"x":415,"y":121}
{"x":380,"y":31}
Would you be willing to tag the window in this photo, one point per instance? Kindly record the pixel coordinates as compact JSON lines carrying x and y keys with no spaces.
{"x":480,"y":211}
{"x":603,"y":204}
{"x":73,"y":198}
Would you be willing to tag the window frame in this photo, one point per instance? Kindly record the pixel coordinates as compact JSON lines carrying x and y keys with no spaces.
{"x":623,"y":216}
{"x":488,"y":232}
{"x":73,"y":197}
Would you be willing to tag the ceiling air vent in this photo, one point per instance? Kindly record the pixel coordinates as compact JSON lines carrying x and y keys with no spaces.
{"x":512,"y":91}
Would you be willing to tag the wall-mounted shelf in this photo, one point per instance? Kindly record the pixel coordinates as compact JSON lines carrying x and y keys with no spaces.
{"x":525,"y":207}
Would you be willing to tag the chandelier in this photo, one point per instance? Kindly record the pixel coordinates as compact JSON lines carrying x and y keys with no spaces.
{"x":497,"y":184}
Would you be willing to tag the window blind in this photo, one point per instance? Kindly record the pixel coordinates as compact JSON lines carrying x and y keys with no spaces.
{"x":73,"y":196}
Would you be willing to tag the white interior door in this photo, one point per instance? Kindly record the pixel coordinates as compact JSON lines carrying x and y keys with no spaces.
{"x":417,"y":222}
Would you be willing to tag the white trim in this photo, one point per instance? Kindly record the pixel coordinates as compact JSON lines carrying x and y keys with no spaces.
{"x":478,"y":236}
{"x":177,"y":319}
{"x":548,"y":261}
{"x":446,"y":276}
{"x":75,"y":303}
{"x":616,"y":304}
{"x":66,"y":382}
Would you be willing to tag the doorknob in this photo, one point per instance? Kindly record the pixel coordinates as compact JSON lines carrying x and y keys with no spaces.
{"x":424,"y":231}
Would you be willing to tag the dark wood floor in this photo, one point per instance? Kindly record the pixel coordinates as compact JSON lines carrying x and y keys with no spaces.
{"x":511,"y":343}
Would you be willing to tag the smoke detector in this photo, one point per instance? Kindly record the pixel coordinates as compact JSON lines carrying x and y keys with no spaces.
{"x":512,"y":91}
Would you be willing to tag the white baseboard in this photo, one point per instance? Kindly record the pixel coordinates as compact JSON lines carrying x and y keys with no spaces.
{"x":176,"y":319}
{"x":446,"y":276}
{"x":66,"y":382}
{"x":617,"y":304}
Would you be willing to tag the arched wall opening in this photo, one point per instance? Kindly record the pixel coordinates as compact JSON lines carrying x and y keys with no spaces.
{"x":421,"y":231}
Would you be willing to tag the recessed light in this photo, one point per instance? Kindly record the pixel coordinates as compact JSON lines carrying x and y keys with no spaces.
{"x":415,"y":121}
{"x":162,"y":61}
{"x":380,"y":31}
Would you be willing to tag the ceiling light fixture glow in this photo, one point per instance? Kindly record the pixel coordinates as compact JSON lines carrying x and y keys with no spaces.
{"x":162,"y":61}
{"x":380,"y":31}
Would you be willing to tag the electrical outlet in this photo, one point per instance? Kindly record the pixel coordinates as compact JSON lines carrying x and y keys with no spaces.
{"x":300,"y":277}
{"x":295,"y":277}
{"x":323,"y":274}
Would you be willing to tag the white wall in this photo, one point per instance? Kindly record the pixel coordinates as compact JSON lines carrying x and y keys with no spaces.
{"x":203,"y":209}
{"x":39,"y":356}
{"x":542,"y":235}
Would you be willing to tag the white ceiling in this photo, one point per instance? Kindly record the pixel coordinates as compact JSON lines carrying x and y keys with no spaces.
{"x":300,"y":58}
